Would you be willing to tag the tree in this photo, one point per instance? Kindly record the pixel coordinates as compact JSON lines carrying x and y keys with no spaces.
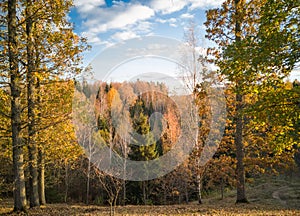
{"x":112,"y":186}
{"x":111,"y":132}
{"x":224,"y":26}
{"x":44,"y":50}
{"x":15,"y":89}
{"x":41,"y":48}
{"x":143,"y":146}
{"x":244,"y":32}
{"x":6,"y":173}
{"x":198,"y":79}
{"x":31,"y":140}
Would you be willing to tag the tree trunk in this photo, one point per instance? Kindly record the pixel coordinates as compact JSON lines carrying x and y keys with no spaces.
{"x":124,"y":192}
{"x":66,"y":182}
{"x":115,"y":203}
{"x":41,"y":179}
{"x":111,"y":209}
{"x":222,"y":189}
{"x":186,"y":192}
{"x":15,"y":85}
{"x":88,"y":182}
{"x":240,"y":171}
{"x":199,"y":189}
{"x":144,"y":191}
{"x":41,"y":159}
{"x":33,"y":179}
{"x":124,"y":174}
{"x":32,"y":148}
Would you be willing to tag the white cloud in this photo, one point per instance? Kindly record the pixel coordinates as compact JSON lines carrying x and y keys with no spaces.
{"x":161,"y":20}
{"x":118,"y":17}
{"x":128,"y":20}
{"x":168,"y":6}
{"x":131,"y":16}
{"x":142,"y":27}
{"x":93,"y":38}
{"x":172,"y":21}
{"x":205,"y":3}
{"x":125,"y":35}
{"x":123,"y":17}
{"x":187,"y":16}
{"x":85,"y":6}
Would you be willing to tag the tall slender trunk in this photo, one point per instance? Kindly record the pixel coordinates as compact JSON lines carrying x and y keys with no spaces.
{"x":88,"y":181}
{"x":89,"y":137}
{"x":222,"y":189}
{"x":144,"y":192}
{"x":41,"y":183}
{"x":124,"y":192}
{"x":111,"y":212}
{"x":41,"y":159}
{"x":15,"y":85}
{"x":199,"y":184}
{"x":124,"y":170}
{"x":186,"y":192}
{"x":240,"y":171}
{"x":66,"y":181}
{"x":32,"y":148}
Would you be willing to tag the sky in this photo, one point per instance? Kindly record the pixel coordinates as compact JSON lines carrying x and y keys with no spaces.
{"x":107,"y":24}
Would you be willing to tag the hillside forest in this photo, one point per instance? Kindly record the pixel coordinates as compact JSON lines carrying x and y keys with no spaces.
{"x":47,"y":158}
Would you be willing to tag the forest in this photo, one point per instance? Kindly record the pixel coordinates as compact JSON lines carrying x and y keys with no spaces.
{"x":49,"y":158}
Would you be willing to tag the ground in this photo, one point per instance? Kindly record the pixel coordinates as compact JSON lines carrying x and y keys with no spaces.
{"x":190,"y":209}
{"x":280,"y":197}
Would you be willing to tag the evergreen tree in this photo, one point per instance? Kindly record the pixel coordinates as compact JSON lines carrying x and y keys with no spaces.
{"x":143,"y":145}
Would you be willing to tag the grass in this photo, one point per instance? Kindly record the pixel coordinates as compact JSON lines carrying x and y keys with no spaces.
{"x":270,"y":197}
{"x":221,"y":208}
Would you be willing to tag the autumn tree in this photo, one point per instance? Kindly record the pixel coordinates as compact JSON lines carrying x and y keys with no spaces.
{"x":225,"y":27}
{"x":41,"y":48}
{"x":15,"y":90}
{"x":197,"y":79}
{"x":242,"y":30}
{"x":43,"y":65}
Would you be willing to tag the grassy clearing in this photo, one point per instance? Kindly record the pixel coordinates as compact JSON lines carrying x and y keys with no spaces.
{"x":267,"y":197}
{"x":190,"y":209}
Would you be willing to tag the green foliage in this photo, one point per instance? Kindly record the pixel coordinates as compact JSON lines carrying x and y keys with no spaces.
{"x":143,"y":146}
{"x":54,"y":195}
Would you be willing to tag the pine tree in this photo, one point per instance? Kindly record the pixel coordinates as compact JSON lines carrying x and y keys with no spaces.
{"x":143,"y":147}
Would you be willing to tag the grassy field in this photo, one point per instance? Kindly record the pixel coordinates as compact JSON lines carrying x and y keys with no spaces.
{"x":189,"y":209}
{"x":277,"y":197}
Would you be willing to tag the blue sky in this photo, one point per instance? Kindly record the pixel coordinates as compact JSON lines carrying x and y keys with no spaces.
{"x":105,"y":23}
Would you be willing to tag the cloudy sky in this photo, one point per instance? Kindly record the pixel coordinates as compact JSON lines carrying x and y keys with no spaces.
{"x":106,"y":22}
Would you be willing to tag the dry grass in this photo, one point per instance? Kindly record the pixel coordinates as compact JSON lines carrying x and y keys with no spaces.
{"x":266,"y":198}
{"x":218,"y":208}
